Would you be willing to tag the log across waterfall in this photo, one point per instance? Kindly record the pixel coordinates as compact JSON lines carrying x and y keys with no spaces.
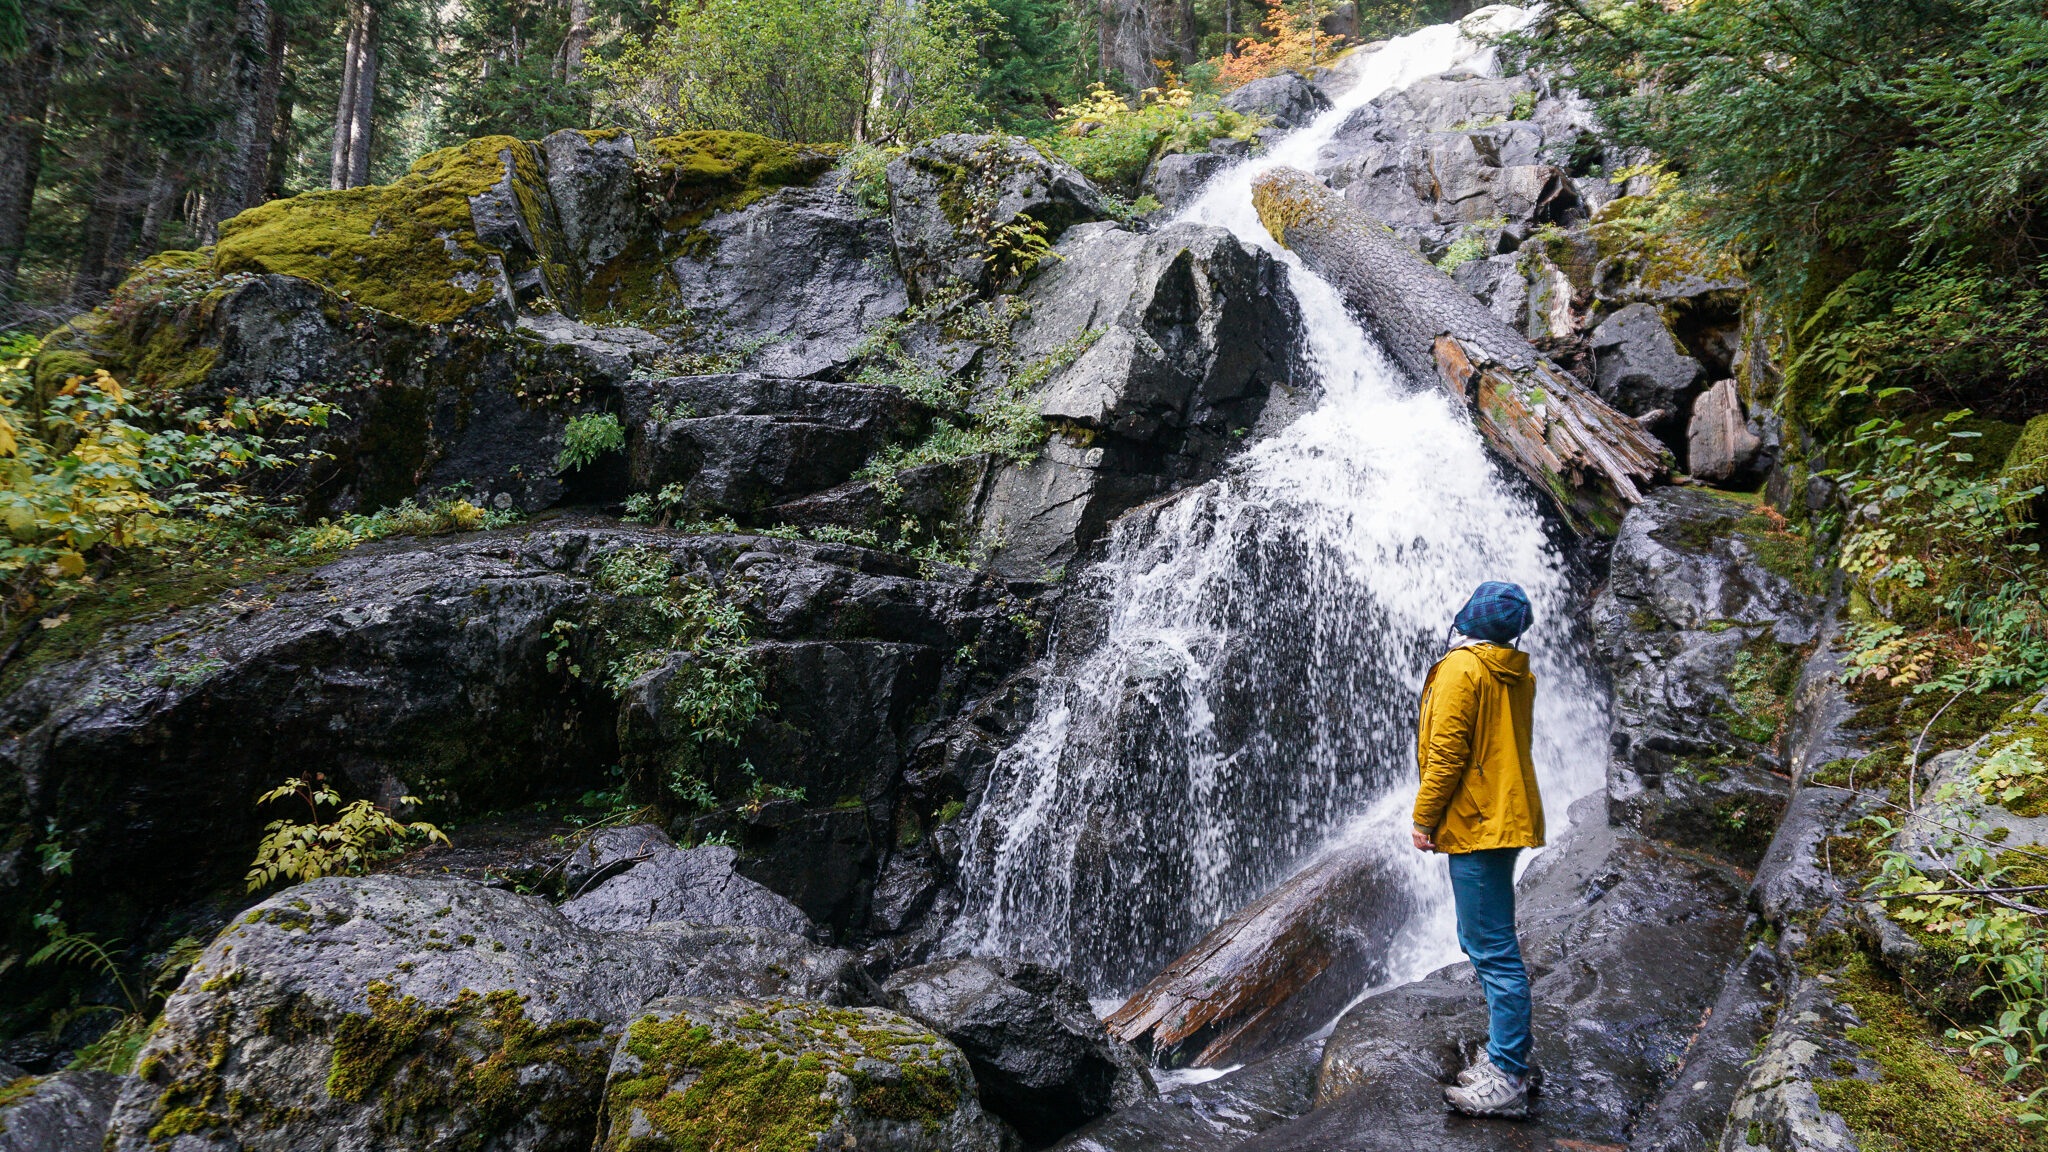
{"x":1592,"y":461}
{"x":1283,"y":966}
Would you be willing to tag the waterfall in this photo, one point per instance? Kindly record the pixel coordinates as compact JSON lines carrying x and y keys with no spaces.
{"x":1249,"y":700}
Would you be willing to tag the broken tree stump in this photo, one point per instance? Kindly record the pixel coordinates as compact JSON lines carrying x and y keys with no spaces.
{"x":1592,"y":461}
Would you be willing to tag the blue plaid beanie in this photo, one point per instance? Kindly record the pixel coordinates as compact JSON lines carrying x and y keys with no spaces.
{"x":1498,"y":612}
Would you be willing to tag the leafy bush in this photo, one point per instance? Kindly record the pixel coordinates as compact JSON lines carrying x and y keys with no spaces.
{"x":345,"y":843}
{"x":587,"y":437}
{"x":405,"y":518}
{"x":1111,"y":140}
{"x":1296,"y":42}
{"x":1951,"y":581}
{"x":85,"y":472}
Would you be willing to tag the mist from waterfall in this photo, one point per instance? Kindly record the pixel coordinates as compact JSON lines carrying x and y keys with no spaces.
{"x":1250,"y":701}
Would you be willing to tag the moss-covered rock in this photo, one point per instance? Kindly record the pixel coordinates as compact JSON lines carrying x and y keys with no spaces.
{"x":419,"y":1014}
{"x":781,"y":1076}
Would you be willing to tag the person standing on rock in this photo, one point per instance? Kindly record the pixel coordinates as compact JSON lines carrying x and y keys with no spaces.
{"x":1479,"y":804}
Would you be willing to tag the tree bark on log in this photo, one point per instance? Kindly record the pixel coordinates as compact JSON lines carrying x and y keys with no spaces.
{"x":1273,"y":973}
{"x":1590,"y":460}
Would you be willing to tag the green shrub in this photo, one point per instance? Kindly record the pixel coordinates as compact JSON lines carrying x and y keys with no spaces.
{"x":587,"y":437}
{"x":1111,"y":140}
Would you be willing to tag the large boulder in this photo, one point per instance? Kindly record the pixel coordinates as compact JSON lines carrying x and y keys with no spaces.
{"x":1288,"y":100}
{"x":1218,"y":1113}
{"x":696,"y":885}
{"x":1177,"y":179}
{"x":790,"y":284}
{"x":591,"y":179}
{"x":948,"y":196}
{"x":743,"y":1074}
{"x":1191,"y":332}
{"x":737,"y":444}
{"x":1642,"y":370}
{"x":65,"y":1112}
{"x":415,"y":1014}
{"x":1702,"y":625}
{"x":1042,"y":1059}
{"x":1721,"y":445}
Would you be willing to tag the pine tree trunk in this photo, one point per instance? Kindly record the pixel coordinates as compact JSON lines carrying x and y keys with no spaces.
{"x":24,"y":99}
{"x":256,"y":171}
{"x":110,"y":220}
{"x":363,"y":122}
{"x":279,"y":156}
{"x":1591,"y":461}
{"x":345,"y":103}
{"x":577,"y":40}
{"x":248,"y":95}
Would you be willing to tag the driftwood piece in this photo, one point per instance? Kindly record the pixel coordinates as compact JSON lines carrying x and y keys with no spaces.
{"x":1590,"y":460}
{"x":1280,"y":968}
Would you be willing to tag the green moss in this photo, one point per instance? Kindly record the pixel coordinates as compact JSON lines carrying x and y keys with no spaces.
{"x":409,"y":248}
{"x":1924,"y":1099}
{"x":739,"y":1099}
{"x":761,"y":1080}
{"x":471,"y":1056}
{"x":18,"y":1088}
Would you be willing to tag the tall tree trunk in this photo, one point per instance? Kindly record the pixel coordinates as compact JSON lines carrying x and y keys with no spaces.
{"x":110,"y":218}
{"x":248,"y":96}
{"x":163,"y":196}
{"x":1591,"y":461}
{"x":363,"y":122}
{"x":345,"y":104}
{"x":577,"y":40}
{"x":256,"y":171}
{"x":1190,"y":39}
{"x":279,"y":156}
{"x":24,"y":98}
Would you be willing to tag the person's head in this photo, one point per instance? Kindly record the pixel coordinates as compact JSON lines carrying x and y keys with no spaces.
{"x":1498,"y":612}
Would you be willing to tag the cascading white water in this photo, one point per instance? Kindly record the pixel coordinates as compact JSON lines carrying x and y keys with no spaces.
{"x":1250,"y":700}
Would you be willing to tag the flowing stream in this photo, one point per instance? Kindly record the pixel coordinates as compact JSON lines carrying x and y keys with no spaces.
{"x":1250,"y":701}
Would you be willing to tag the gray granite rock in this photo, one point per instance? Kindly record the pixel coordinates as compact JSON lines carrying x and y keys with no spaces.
{"x":64,"y":1112}
{"x":938,"y":186}
{"x":695,"y":885}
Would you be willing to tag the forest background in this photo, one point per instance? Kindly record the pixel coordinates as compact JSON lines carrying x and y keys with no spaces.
{"x":130,"y":127}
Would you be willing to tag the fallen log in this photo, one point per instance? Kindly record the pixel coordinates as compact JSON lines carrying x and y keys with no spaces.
{"x":1279,"y":969}
{"x":1590,"y":460}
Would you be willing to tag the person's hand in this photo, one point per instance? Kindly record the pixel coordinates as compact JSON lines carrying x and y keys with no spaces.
{"x":1422,"y":841}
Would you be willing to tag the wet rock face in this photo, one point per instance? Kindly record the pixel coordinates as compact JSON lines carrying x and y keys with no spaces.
{"x":1216,"y":1114}
{"x":1194,"y":332}
{"x":756,"y":1073}
{"x":1177,"y":179}
{"x":947,"y":195}
{"x":735,"y":444}
{"x":1626,"y":943}
{"x":65,"y":1112}
{"x":664,"y":883}
{"x":415,"y":1014}
{"x":1703,"y":639}
{"x":1042,"y":1060}
{"x":792,"y":282}
{"x":421,"y":667}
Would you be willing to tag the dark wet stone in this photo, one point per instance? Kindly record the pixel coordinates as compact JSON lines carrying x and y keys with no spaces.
{"x":1212,"y":1116}
{"x":65,"y":1112}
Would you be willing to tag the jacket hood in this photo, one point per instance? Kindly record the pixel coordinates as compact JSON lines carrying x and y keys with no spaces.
{"x":1508,"y":665}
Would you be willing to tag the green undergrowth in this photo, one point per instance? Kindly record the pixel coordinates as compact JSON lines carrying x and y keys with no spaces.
{"x":761,"y":1081}
{"x":1928,"y":1096}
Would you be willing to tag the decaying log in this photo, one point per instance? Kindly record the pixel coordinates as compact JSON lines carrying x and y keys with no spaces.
{"x":1592,"y":461}
{"x":1279,"y":969}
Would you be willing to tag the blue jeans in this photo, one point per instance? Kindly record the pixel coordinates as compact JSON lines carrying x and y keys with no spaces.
{"x":1483,"y":883}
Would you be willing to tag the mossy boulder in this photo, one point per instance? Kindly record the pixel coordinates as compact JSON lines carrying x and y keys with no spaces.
{"x":774,"y":1075}
{"x":420,"y":1014}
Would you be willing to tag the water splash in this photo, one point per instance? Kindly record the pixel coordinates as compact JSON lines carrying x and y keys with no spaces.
{"x":1250,"y":700}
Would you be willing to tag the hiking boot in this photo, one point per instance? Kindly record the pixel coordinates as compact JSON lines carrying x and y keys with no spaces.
{"x":1535,"y":1076}
{"x":1492,"y":1093}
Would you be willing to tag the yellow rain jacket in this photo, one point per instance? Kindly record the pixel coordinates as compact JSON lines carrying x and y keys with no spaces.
{"x":1478,"y":781}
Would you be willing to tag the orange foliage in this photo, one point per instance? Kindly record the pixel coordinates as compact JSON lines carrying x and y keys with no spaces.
{"x":1293,"y":44}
